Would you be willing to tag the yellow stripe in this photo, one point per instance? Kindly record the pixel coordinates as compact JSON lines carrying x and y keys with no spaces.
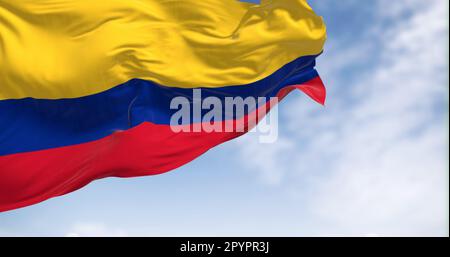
{"x":70,"y":48}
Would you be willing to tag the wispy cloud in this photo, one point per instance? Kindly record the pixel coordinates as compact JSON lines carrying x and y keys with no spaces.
{"x":93,"y":230}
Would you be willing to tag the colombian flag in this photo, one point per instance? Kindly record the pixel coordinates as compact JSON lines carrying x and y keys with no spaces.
{"x":86,"y":86}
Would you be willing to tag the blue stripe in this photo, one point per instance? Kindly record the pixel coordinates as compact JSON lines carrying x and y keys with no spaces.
{"x":34,"y":124}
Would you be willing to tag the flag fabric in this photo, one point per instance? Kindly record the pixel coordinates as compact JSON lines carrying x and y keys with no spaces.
{"x":86,"y":86}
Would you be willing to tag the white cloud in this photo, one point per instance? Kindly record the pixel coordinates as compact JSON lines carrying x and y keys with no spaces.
{"x":262,"y":161}
{"x":93,"y":230}
{"x":374,"y":161}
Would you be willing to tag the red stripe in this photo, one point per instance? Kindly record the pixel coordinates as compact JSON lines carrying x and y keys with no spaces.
{"x":148,"y":149}
{"x":314,"y":89}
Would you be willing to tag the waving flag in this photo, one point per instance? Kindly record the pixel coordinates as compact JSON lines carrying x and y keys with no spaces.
{"x":86,"y":86}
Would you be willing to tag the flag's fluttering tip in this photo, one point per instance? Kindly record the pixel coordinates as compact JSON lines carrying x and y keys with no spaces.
{"x":314,"y":89}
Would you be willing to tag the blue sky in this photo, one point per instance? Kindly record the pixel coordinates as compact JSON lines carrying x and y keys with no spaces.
{"x":372,"y":162}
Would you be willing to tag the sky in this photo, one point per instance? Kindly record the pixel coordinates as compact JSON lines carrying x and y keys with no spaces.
{"x":372,"y":162}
